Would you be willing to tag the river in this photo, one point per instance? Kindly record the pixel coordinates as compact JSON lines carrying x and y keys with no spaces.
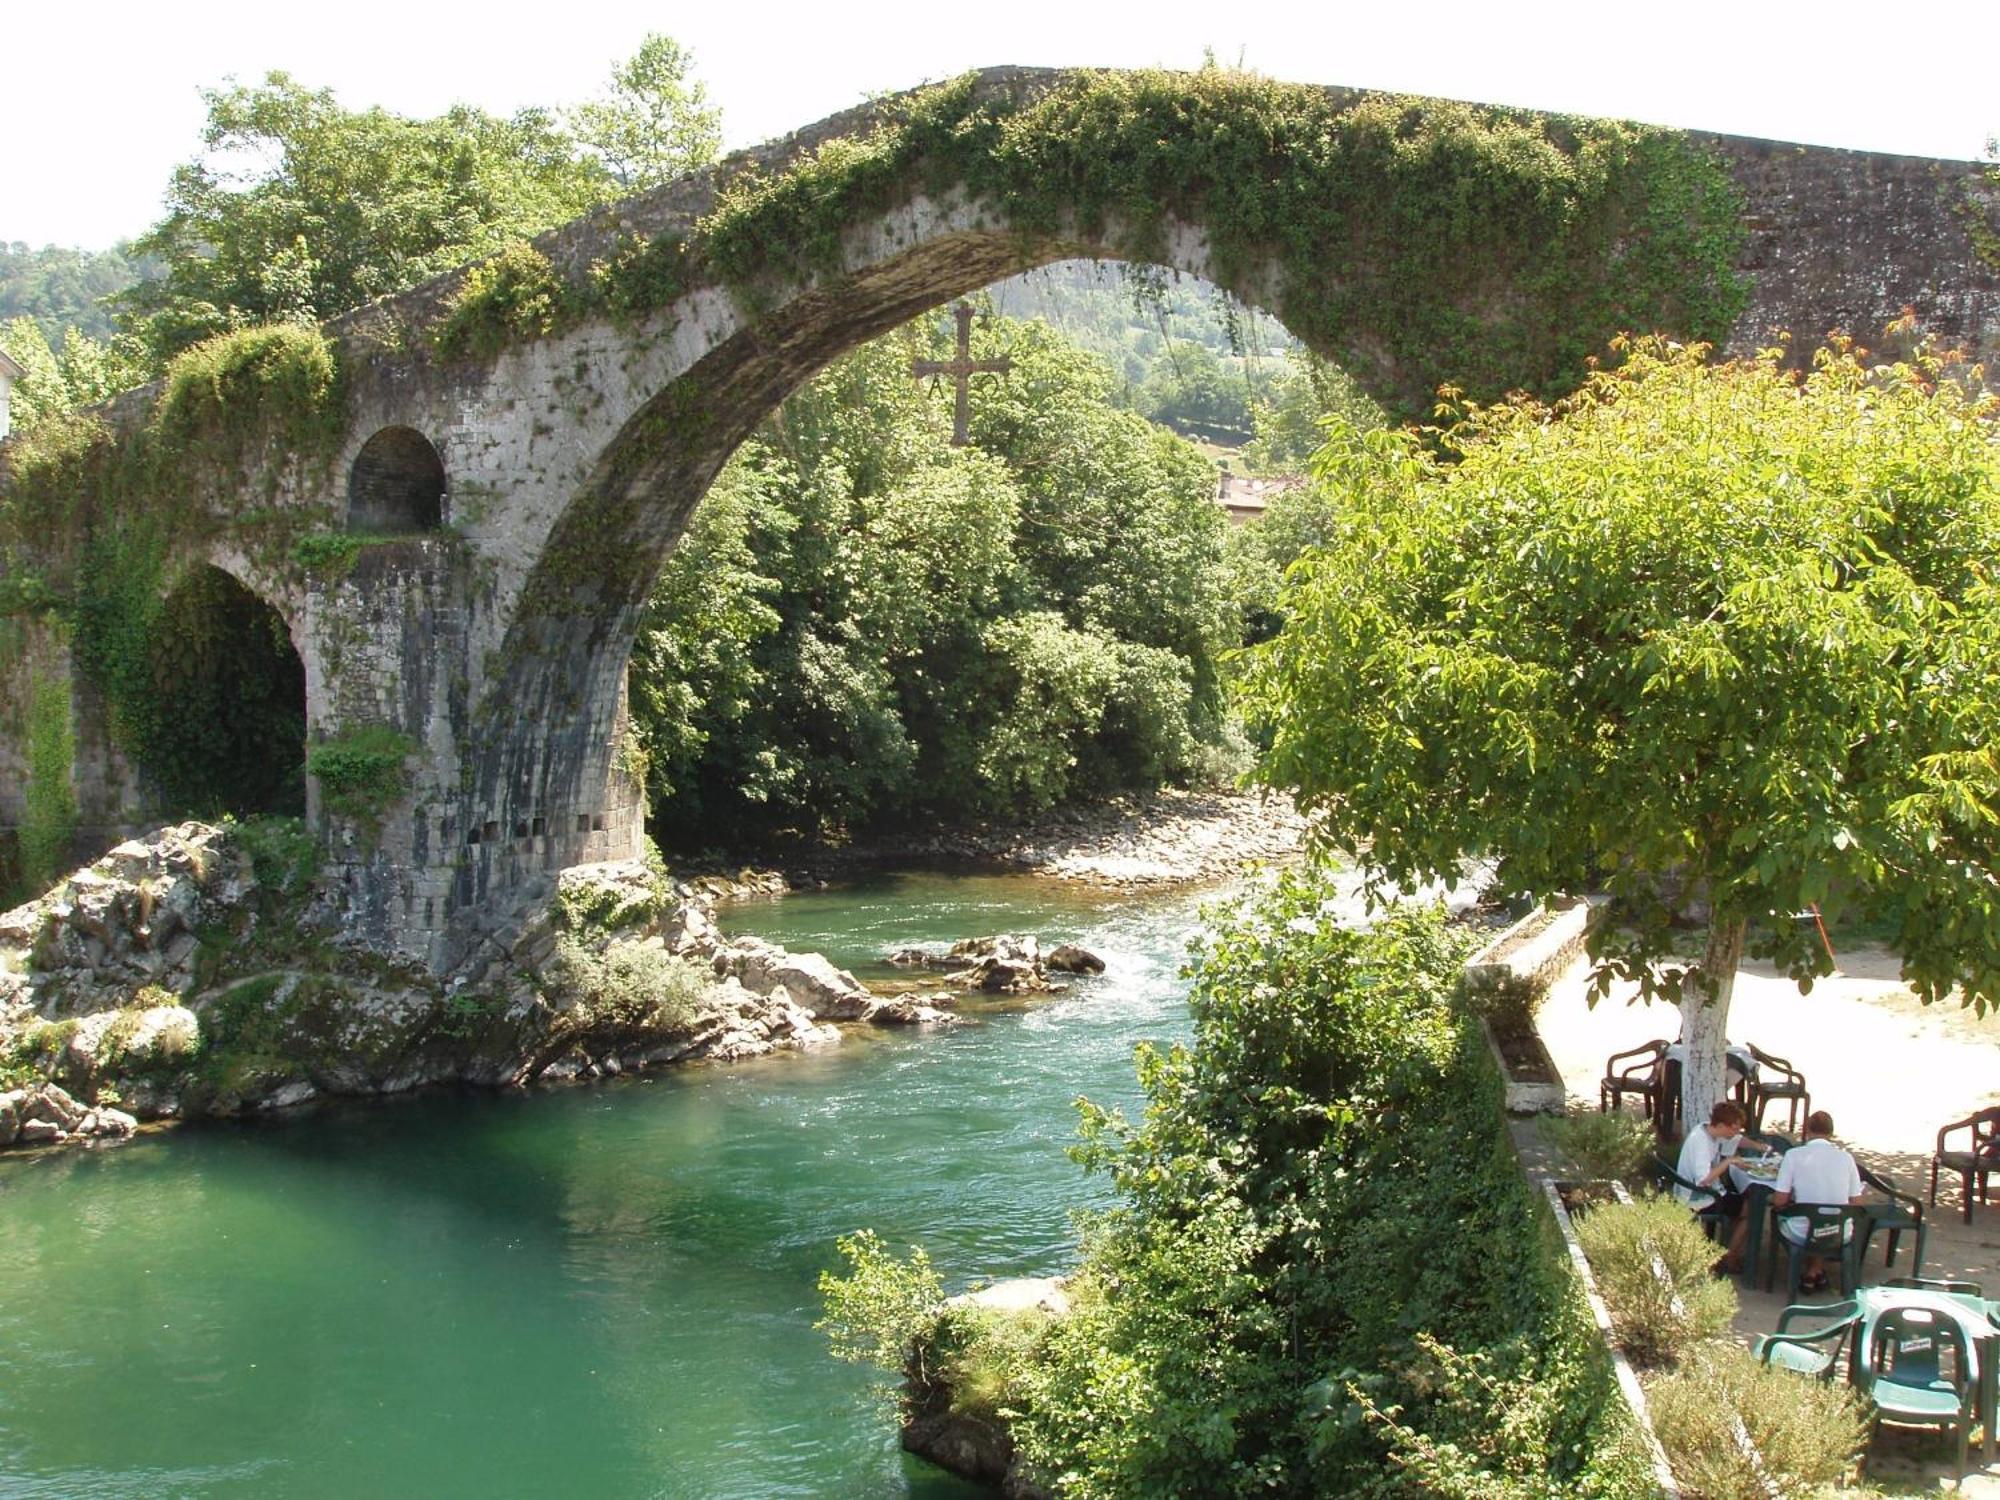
{"x":604,"y":1290}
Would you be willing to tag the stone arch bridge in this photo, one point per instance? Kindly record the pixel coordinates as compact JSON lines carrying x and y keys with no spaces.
{"x":533,"y":479}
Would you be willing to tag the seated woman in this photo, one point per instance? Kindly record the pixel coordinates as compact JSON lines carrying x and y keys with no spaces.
{"x":1706,"y":1156}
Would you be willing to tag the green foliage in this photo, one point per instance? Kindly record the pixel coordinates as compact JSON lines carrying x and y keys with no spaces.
{"x":1602,"y":1146}
{"x":1398,"y":221}
{"x":623,"y":993}
{"x":48,"y":822}
{"x":1495,"y":1425}
{"x":863,"y":621}
{"x":1320,"y":1193}
{"x":653,"y":123}
{"x":1807,"y":1433}
{"x":333,"y":552}
{"x":1651,"y":1261}
{"x":284,"y":855}
{"x":513,"y":297}
{"x":1705,"y":631}
{"x":298,"y":209}
{"x":65,"y":376}
{"x":63,"y":290}
{"x":884,"y":1309}
{"x":210,"y":699}
{"x":363,"y":772}
{"x":1290,"y":425}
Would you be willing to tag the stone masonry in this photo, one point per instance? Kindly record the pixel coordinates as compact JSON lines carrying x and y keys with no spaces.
{"x":571,"y":464}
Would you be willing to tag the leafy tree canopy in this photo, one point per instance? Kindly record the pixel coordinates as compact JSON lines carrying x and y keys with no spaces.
{"x":652,"y":123}
{"x":1705,"y":633}
{"x":863,"y":621}
{"x":299,"y":209}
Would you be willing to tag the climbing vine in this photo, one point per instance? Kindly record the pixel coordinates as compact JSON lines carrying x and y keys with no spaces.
{"x":362,"y":773}
{"x":91,"y":519}
{"x":1487,"y":247}
{"x":49,"y":822}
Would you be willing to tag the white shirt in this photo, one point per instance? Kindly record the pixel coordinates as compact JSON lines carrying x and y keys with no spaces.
{"x":1699,"y":1154}
{"x":1817,"y":1172}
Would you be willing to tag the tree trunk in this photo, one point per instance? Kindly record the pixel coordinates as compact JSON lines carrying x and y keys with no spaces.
{"x":1705,"y":1022}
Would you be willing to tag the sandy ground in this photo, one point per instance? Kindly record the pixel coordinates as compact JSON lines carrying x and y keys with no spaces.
{"x":1890,"y":1069}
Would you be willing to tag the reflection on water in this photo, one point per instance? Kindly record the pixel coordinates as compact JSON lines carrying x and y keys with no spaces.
{"x":602,"y":1291}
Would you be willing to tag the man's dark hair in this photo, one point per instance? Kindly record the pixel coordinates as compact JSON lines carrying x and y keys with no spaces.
{"x":1727,"y":1112}
{"x":1819,"y":1122}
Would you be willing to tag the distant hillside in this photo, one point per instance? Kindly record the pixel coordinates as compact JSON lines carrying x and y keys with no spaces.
{"x":62,"y":288}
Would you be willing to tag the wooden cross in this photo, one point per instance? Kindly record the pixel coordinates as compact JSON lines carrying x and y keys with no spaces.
{"x":962,"y":370}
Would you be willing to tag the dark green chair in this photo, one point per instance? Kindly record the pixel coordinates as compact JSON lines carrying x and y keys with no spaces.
{"x":1817,"y":1353}
{"x":1980,"y":1156}
{"x":1776,"y":1080}
{"x":1902,"y":1212}
{"x":1640,"y":1075}
{"x":1931,"y":1284}
{"x":1833,"y":1232}
{"x":1917,"y":1373}
{"x":1666,"y":1177}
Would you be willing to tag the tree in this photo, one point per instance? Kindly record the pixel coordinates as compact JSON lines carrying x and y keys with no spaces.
{"x":78,"y":373}
{"x":1707,"y":635}
{"x":298,"y":209}
{"x":651,"y":124}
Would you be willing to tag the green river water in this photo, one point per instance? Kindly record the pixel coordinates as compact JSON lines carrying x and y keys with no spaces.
{"x":593,"y":1291}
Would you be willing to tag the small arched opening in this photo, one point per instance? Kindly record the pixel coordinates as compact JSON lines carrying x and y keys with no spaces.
{"x":225,"y":723}
{"x":397,"y":484}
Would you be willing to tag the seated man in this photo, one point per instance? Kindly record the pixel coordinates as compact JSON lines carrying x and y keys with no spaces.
{"x":1816,"y":1171}
{"x":1706,"y":1156}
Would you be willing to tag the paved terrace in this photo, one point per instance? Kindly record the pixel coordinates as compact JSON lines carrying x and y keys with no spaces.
{"x":1890,"y":1070}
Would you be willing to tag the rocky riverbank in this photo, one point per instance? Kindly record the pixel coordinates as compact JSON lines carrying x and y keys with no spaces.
{"x":1161,"y":838}
{"x":173,"y":978}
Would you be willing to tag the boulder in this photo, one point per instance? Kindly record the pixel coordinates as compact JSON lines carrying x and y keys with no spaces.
{"x":41,"y":1133}
{"x":1006,"y":946}
{"x":53,"y":1105}
{"x":915,"y":958}
{"x":106,"y":1123}
{"x":1068,"y":958}
{"x":910,"y":1010}
{"x":11,"y":1103}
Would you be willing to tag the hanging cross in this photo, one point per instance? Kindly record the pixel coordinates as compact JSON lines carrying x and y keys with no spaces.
{"x":961,"y":370}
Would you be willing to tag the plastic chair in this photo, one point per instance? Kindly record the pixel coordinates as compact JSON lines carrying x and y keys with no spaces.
{"x":1833,"y":1230}
{"x":1815,"y":1354}
{"x":1902,"y":1212}
{"x":1776,"y":1079}
{"x":1712,"y":1218}
{"x":1917,"y":1374}
{"x":1931,"y":1284}
{"x":1641,"y":1078}
{"x":1981,"y":1156}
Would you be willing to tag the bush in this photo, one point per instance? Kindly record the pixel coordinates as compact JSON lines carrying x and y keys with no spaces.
{"x":1807,"y":1433}
{"x":1651,"y":1261}
{"x":511,"y":298}
{"x":1320,"y":1196}
{"x":1602,"y":1147}
{"x":624,"y":992}
{"x":884,"y":1310}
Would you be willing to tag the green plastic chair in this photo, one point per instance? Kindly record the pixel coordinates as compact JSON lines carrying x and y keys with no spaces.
{"x":1834,"y":1231}
{"x":1932,"y":1284}
{"x":1711,"y":1219}
{"x":1904,"y":1211}
{"x":1815,"y":1354}
{"x":1917,"y":1374}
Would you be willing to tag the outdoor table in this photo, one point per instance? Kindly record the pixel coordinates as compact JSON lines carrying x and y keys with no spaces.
{"x":1977,"y":1318}
{"x":1756,"y":1178}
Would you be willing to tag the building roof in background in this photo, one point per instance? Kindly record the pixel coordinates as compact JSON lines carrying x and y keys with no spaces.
{"x":9,"y":369}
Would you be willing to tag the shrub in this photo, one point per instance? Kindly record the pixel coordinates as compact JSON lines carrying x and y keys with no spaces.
{"x":1806,"y":1432}
{"x":513,"y":297}
{"x":1651,"y":1261}
{"x":362,"y":773}
{"x":883,"y":1311}
{"x":625,"y":991}
{"x":1602,"y":1146}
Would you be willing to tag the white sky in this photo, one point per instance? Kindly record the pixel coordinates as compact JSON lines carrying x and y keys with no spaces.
{"x":100,"y":100}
